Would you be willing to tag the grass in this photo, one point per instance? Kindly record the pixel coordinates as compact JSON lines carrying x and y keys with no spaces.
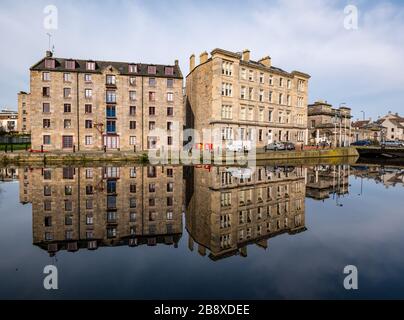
{"x":20,"y":146}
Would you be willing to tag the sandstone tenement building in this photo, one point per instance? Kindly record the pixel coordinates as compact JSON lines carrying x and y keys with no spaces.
{"x":245,"y":99}
{"x":24,"y":121}
{"x":86,"y":105}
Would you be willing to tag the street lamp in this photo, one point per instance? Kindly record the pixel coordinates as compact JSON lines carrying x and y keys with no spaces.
{"x":364,"y":117}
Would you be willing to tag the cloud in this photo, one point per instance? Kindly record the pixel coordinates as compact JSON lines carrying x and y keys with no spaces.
{"x":360,"y":67}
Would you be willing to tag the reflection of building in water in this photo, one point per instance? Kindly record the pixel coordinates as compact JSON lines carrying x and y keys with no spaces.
{"x":326,"y":180}
{"x":8,"y":174}
{"x":231,"y":208}
{"x":77,"y":208}
{"x":388,"y":176}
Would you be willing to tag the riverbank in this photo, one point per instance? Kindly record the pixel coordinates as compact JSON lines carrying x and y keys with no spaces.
{"x":23,"y":157}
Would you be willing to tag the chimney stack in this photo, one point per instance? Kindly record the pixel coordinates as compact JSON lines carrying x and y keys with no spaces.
{"x":203,"y":57}
{"x":176,"y":62}
{"x":49,"y":54}
{"x":191,"y":63}
{"x":246,"y":55}
{"x":266,"y":61}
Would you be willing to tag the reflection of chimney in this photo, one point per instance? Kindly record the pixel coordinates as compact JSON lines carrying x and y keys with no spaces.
{"x":203,"y":57}
{"x":49,"y":54}
{"x":266,"y":61}
{"x":191,"y":63}
{"x":246,"y":55}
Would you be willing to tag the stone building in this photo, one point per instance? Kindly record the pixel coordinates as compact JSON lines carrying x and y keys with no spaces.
{"x":329,"y":125}
{"x":24,"y":123}
{"x":86,"y":105}
{"x":8,"y":120}
{"x":246,"y":100}
{"x":87,"y":207}
{"x":394,"y":125}
{"x":230,"y":208}
{"x":368,"y":130}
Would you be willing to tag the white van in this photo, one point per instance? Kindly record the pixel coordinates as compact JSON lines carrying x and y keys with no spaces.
{"x":239,"y":145}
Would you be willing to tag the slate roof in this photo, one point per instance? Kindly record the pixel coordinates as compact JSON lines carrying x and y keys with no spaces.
{"x":122,"y":67}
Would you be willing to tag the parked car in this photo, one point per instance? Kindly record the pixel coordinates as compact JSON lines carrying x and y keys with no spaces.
{"x":392,"y":144}
{"x":289,"y":146}
{"x":362,"y":143}
{"x":239,"y":145}
{"x":275,"y":146}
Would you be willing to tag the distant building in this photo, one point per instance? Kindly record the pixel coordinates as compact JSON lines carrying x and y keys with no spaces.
{"x":8,"y":120}
{"x":368,"y":130}
{"x":394,"y":125}
{"x":328,"y":124}
{"x":24,"y":123}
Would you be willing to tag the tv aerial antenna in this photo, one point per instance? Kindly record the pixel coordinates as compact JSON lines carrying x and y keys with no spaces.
{"x":51,"y":47}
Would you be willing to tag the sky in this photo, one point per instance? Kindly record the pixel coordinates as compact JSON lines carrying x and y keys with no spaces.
{"x":362,"y":67}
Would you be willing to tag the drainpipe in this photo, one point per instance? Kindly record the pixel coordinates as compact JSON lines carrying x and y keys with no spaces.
{"x":78,"y":111}
{"x":142,"y":115}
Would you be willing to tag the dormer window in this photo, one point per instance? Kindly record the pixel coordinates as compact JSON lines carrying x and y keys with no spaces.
{"x":90,"y":65}
{"x":151,"y":70}
{"x":132,"y":68}
{"x":49,"y":63}
{"x":70,"y":64}
{"x":169,"y":71}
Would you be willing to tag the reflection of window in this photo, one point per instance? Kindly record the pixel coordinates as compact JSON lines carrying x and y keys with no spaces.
{"x":151,"y":172}
{"x":111,"y":202}
{"x":111,"y":216}
{"x":132,"y":202}
{"x":47,"y":190}
{"x":111,"y":232}
{"x":68,"y":190}
{"x":68,"y":220}
{"x":48,"y":221}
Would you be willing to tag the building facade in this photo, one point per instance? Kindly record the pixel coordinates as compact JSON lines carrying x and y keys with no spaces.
{"x":24,"y":122}
{"x":394,"y":125}
{"x":245,"y":99}
{"x":8,"y":121}
{"x":329,"y":125}
{"x":89,"y":207}
{"x":88,"y":105}
{"x":368,"y":130}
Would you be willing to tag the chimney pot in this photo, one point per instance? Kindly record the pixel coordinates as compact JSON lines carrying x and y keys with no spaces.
{"x":266,"y":61}
{"x":246,"y":55}
{"x":191,"y":62}
{"x":203,"y":57}
{"x":49,"y":54}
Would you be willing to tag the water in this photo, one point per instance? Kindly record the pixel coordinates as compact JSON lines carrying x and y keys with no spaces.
{"x":202,"y":232}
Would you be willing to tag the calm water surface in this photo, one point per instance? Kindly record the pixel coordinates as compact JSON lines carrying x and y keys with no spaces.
{"x":202,"y":232}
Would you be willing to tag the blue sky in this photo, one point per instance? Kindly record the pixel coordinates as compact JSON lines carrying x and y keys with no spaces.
{"x":363,"y":67}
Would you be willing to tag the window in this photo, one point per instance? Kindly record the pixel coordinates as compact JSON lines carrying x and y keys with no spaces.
{"x":46,"y":107}
{"x":227,"y":68}
{"x":151,"y":142}
{"x":270,"y":115}
{"x":152,"y":111}
{"x":289,"y":99}
{"x":152,"y":82}
{"x":151,"y":69}
{"x":68,"y":205}
{"x":132,"y":217}
{"x":262,"y":78}
{"x":243,"y":93}
{"x":47,"y":205}
{"x":45,"y":76}
{"x":132,"y":140}
{"x":88,"y":93}
{"x":88,"y":108}
{"x":111,"y":96}
{"x":170,"y":201}
{"x":281,"y":82}
{"x":111,"y":112}
{"x":227,"y":89}
{"x":68,"y":222}
{"x":49,"y":63}
{"x":227,"y":133}
{"x":169,"y":140}
{"x":169,"y":215}
{"x":47,"y":174}
{"x":46,"y":123}
{"x":250,"y":75}
{"x":132,"y":68}
{"x":67,"y":142}
{"x":89,"y":124}
{"x":170,"y":111}
{"x":170,"y":96}
{"x":170,"y":187}
{"x":67,"y":77}
{"x":152,"y":125}
{"x":227,"y":112}
{"x":260,"y":135}
{"x":89,"y":173}
{"x":169,"y":71}
{"x":242,"y":113}
{"x":132,"y":188}
{"x":48,"y":221}
{"x":270,"y":96}
{"x":280,"y":101}
{"x":67,"y":108}
{"x":89,"y":219}
{"x":251,"y":93}
{"x":87,"y":77}
{"x":111,"y":233}
{"x":152,"y":187}
{"x":225,"y":199}
{"x":170,"y":173}
{"x":170,"y":83}
{"x":89,"y":140}
{"x":111,"y":126}
{"x":251,"y":114}
{"x":67,"y":93}
{"x":70,"y":64}
{"x":300,"y":85}
{"x":300,"y":101}
{"x":261,"y":115}
{"x":261,"y":96}
{"x":46,"y":92}
{"x":46,"y":139}
{"x":169,"y":126}
{"x":243,"y":74}
{"x":132,"y":172}
{"x":67,"y":123}
{"x":132,"y":81}
{"x":111,"y":79}
{"x":132,"y":125}
{"x":90,"y":65}
{"x":132,"y":110}
{"x":152,"y":96}
{"x":289,"y":84}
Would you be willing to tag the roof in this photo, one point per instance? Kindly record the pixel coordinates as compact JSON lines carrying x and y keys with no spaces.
{"x":122,"y":67}
{"x":360,"y":124}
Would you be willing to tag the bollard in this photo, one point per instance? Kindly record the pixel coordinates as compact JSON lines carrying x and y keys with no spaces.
{"x":41,"y":148}
{"x":134,"y":148}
